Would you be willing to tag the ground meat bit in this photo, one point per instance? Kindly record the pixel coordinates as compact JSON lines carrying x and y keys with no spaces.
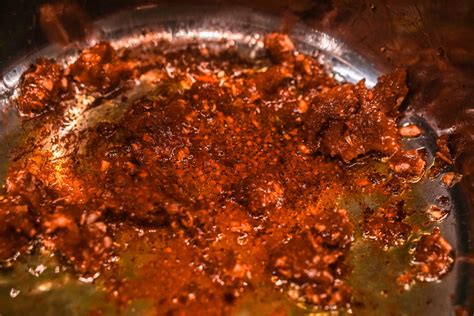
{"x":39,"y":86}
{"x":390,"y":92}
{"x":432,"y":259}
{"x":260,"y":193}
{"x":310,"y":267}
{"x":443,"y":158}
{"x":437,"y":214}
{"x":85,"y":246}
{"x":443,"y":149}
{"x":410,"y":130}
{"x":268,"y":82}
{"x":100,"y":68}
{"x":349,"y":121}
{"x":30,"y":190}
{"x":451,"y":178}
{"x":359,"y":138}
{"x":20,"y":211}
{"x":410,"y":163}
{"x":333,"y":105}
{"x":279,"y":46}
{"x":385,"y":226}
{"x":16,"y":228}
{"x":332,"y":228}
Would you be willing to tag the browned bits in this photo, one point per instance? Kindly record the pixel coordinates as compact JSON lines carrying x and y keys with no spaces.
{"x":280,"y":46}
{"x":269,"y":81}
{"x":437,"y":214}
{"x":450,"y":178}
{"x":443,"y":157}
{"x":410,"y":130}
{"x":409,"y":163}
{"x":39,"y":86}
{"x":261,"y":192}
{"x":16,"y":228}
{"x":432,"y":259}
{"x":386,"y":226}
{"x":345,"y":111}
{"x":227,"y":175}
{"x":100,"y":68}
{"x":310,"y":267}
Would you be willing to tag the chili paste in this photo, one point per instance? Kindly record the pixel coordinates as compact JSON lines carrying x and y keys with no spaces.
{"x":239,"y":163}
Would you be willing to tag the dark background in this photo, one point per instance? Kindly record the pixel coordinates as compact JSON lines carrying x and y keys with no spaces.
{"x":433,"y":39}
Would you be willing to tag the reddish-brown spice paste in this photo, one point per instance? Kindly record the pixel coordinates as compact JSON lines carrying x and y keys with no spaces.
{"x":241,"y":163}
